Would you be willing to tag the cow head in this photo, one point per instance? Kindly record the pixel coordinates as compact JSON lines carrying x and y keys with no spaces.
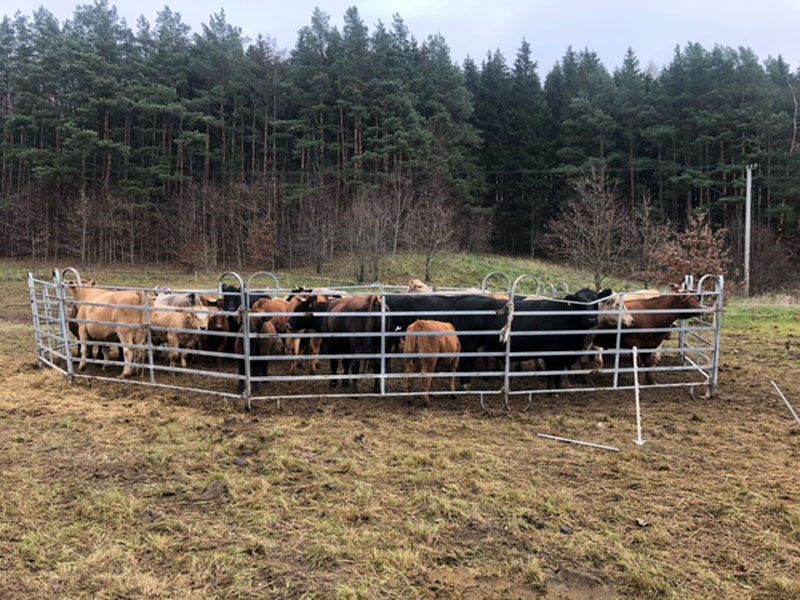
{"x":608,"y":310}
{"x":685,"y":299}
{"x":231,"y":298}
{"x":303,"y":304}
{"x":588,"y":313}
{"x":200,"y":319}
{"x":415,"y":286}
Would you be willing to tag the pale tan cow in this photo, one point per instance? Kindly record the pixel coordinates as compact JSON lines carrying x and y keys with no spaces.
{"x":119,"y":320}
{"x":185,"y":318}
{"x":415,"y":286}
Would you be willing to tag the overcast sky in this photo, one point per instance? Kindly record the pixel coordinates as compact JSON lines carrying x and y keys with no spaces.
{"x":473,"y":27}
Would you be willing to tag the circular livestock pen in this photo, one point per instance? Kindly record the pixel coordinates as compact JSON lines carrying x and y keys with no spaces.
{"x":240,"y":340}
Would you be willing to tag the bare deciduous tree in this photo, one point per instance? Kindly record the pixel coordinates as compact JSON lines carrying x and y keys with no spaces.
{"x":592,"y":230}
{"x":647,"y":236}
{"x":432,"y":228}
{"x":367,"y":224}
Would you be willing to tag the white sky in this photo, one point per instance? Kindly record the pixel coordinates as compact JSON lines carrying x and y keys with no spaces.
{"x":473,"y":27}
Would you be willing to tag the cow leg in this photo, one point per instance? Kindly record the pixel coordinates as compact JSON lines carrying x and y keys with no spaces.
{"x":428,"y":366}
{"x":334,"y":371}
{"x":453,"y":367}
{"x":172,"y":341}
{"x":410,"y":368}
{"x":315,"y":344}
{"x":467,"y":365}
{"x":127,"y":353}
{"x":105,"y":351}
{"x":647,"y":361}
{"x":293,"y":349}
{"x":376,"y":368}
{"x":355,"y":369}
{"x":84,"y":347}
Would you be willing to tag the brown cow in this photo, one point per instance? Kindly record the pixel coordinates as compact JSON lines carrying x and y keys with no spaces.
{"x":294,"y":346}
{"x":431,"y":344}
{"x":212,"y":342}
{"x":355,"y":326}
{"x":262,"y":346}
{"x":648,"y":342}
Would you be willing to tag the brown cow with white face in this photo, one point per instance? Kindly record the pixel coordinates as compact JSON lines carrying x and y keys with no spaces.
{"x":679,"y":299}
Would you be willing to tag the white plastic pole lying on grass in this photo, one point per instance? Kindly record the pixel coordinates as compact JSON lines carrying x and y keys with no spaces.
{"x":794,"y":414}
{"x":639,"y":440}
{"x":579,"y":442}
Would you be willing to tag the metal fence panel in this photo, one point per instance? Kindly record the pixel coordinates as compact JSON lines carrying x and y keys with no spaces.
{"x":697,"y":348}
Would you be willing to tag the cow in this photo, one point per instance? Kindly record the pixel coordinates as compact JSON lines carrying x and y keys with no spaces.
{"x":415,"y":286}
{"x":295,"y":345}
{"x":74,"y":327}
{"x":679,"y":300}
{"x":167,"y":298}
{"x":72,"y":324}
{"x":230,"y":300}
{"x":120,"y":319}
{"x":447,"y":343}
{"x":581,"y":315}
{"x":211,"y":341}
{"x":185,"y":319}
{"x":354,"y":343}
{"x":261,"y":346}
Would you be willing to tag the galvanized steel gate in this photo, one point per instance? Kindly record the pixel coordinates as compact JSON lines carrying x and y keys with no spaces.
{"x":697,"y":345}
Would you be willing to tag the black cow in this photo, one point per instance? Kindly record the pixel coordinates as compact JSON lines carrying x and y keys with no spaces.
{"x":584,"y":317}
{"x":354,"y":325}
{"x":231,"y":301}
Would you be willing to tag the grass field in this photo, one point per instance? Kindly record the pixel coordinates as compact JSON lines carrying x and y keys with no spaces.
{"x":110,"y":491}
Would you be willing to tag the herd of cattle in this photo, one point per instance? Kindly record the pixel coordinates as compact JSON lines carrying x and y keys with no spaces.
{"x":561,"y":331}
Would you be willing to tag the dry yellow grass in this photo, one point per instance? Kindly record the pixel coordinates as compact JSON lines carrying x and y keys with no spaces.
{"x":108,"y":491}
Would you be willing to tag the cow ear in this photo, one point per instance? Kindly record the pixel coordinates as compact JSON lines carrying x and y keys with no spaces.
{"x":92,"y":282}
{"x":675,"y":287}
{"x":605,"y":293}
{"x":570,"y":297}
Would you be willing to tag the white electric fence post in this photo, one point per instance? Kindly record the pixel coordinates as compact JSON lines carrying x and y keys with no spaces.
{"x":794,"y":414}
{"x":639,"y":440}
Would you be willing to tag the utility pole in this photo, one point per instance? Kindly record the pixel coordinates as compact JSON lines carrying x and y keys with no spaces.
{"x":747,"y":210}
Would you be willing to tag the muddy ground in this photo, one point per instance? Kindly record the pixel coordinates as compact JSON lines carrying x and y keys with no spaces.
{"x":112,"y":490}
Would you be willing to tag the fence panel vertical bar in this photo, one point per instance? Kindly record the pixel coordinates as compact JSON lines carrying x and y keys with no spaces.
{"x":718,"y":306}
{"x":50,"y":315}
{"x":383,"y":340}
{"x":62,"y":317}
{"x":37,"y":333}
{"x":149,"y":337}
{"x":245,"y":331}
{"x":620,"y":309}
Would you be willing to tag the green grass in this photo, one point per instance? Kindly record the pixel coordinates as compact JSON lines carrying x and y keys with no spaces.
{"x":778,"y":320}
{"x":453,"y":270}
